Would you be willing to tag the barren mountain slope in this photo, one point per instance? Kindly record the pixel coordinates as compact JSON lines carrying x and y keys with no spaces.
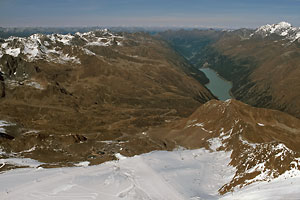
{"x":271,"y":70}
{"x":85,"y":96}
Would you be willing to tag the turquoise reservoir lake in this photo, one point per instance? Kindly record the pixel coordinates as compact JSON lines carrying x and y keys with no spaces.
{"x":217,"y":85}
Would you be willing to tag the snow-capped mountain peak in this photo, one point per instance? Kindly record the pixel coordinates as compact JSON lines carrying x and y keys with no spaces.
{"x":283,"y":29}
{"x":284,"y":24}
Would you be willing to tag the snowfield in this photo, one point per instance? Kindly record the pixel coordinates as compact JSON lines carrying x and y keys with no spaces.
{"x":160,"y":175}
{"x":281,"y":188}
{"x":177,"y":175}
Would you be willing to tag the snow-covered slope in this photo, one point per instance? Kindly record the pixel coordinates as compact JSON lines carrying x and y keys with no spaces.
{"x":177,"y":175}
{"x":57,"y":48}
{"x":282,"y":29}
{"x":280,"y":188}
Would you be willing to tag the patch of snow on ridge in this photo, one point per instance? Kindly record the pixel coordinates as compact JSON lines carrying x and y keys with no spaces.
{"x":177,"y":175}
{"x":297,"y":36}
{"x":283,"y":151}
{"x":245,"y":142}
{"x":29,"y":150}
{"x":31,"y":48}
{"x":13,"y":52}
{"x":83,"y":164}
{"x":26,"y":162}
{"x":88,"y":52}
{"x":66,"y":58}
{"x":65,"y":39}
{"x":4,"y":45}
{"x":46,"y":43}
{"x":3,"y":124}
{"x":215,"y":143}
{"x":201,"y":125}
{"x":119,"y":156}
{"x":35,"y":85}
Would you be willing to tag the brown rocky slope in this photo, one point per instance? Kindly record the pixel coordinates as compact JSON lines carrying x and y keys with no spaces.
{"x":87,"y":96}
{"x":264,"y":143}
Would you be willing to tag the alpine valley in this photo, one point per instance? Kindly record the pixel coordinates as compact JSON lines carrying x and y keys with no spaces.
{"x":127,"y":115}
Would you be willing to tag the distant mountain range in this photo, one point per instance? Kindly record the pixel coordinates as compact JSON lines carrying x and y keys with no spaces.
{"x":28,"y":31}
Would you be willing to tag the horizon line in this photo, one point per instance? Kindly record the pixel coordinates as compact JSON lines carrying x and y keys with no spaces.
{"x":130,"y":26}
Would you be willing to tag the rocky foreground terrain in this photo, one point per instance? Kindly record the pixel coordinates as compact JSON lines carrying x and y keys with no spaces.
{"x":241,"y":152}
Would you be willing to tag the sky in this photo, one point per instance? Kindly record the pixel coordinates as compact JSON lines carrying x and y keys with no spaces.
{"x":148,"y":13}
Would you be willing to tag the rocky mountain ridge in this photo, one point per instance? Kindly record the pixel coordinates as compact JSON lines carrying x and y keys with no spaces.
{"x":264,"y":144}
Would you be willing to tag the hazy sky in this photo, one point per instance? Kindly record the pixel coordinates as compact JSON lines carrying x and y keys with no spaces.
{"x":198,"y":13}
